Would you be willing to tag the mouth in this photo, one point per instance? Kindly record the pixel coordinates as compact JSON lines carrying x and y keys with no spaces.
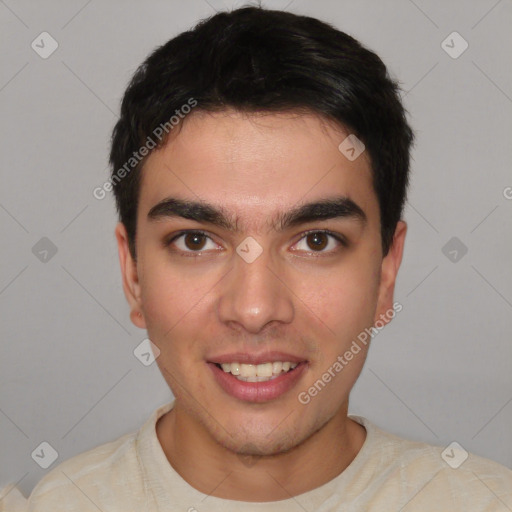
{"x":257,"y":372}
{"x":261,"y":382}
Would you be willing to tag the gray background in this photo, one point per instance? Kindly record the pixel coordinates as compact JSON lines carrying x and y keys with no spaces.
{"x":441,"y":371}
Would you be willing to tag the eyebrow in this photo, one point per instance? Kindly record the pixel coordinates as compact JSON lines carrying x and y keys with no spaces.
{"x":324,"y":209}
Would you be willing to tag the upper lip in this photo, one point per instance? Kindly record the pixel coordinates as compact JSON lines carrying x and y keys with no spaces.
{"x":247,"y":358}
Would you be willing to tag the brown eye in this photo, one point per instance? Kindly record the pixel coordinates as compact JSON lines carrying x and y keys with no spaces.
{"x":317,"y":241}
{"x":194,"y":241}
{"x":191,"y":243}
{"x":322,"y":242}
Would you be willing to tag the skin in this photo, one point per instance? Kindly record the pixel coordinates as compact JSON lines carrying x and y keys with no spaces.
{"x":293,"y":298}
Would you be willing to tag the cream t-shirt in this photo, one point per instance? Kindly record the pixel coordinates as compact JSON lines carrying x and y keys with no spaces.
{"x":389,"y":474}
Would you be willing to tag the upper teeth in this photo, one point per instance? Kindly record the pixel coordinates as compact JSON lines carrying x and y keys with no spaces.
{"x":258,"y":370}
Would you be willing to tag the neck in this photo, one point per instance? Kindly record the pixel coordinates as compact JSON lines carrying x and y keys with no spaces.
{"x":214,"y":470}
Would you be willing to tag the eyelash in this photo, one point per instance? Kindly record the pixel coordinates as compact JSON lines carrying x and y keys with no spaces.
{"x":339,"y":238}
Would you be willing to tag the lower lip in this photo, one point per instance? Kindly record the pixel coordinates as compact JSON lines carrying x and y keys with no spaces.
{"x":258,"y":391}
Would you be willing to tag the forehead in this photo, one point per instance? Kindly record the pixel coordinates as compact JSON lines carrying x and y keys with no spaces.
{"x":251,"y":163}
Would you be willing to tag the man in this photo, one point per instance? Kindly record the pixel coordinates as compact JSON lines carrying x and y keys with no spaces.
{"x":260,"y":168}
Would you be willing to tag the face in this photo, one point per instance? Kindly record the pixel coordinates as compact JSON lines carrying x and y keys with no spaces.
{"x":258,"y":242}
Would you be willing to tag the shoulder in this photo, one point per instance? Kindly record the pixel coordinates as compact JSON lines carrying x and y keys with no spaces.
{"x":108,"y":477}
{"x":440,"y":476}
{"x":90,"y":479}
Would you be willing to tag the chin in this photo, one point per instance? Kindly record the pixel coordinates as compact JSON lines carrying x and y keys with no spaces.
{"x":251,"y":436}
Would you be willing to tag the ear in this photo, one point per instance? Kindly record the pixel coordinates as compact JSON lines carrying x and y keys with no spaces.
{"x":389,"y":270}
{"x":130,"y":277}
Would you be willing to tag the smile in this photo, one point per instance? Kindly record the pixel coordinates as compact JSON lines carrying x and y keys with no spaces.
{"x":258,"y":383}
{"x":258,"y":372}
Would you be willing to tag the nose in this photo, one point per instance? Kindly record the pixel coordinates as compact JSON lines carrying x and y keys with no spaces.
{"x":255,"y":294}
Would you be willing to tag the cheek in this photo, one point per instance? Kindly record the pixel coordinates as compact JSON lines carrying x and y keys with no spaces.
{"x":168,"y":295}
{"x":160,"y":303}
{"x":343,"y":302}
{"x":171,"y":306}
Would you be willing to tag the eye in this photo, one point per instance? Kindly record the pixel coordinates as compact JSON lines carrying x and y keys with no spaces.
{"x":320,"y":241}
{"x":192,"y":241}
